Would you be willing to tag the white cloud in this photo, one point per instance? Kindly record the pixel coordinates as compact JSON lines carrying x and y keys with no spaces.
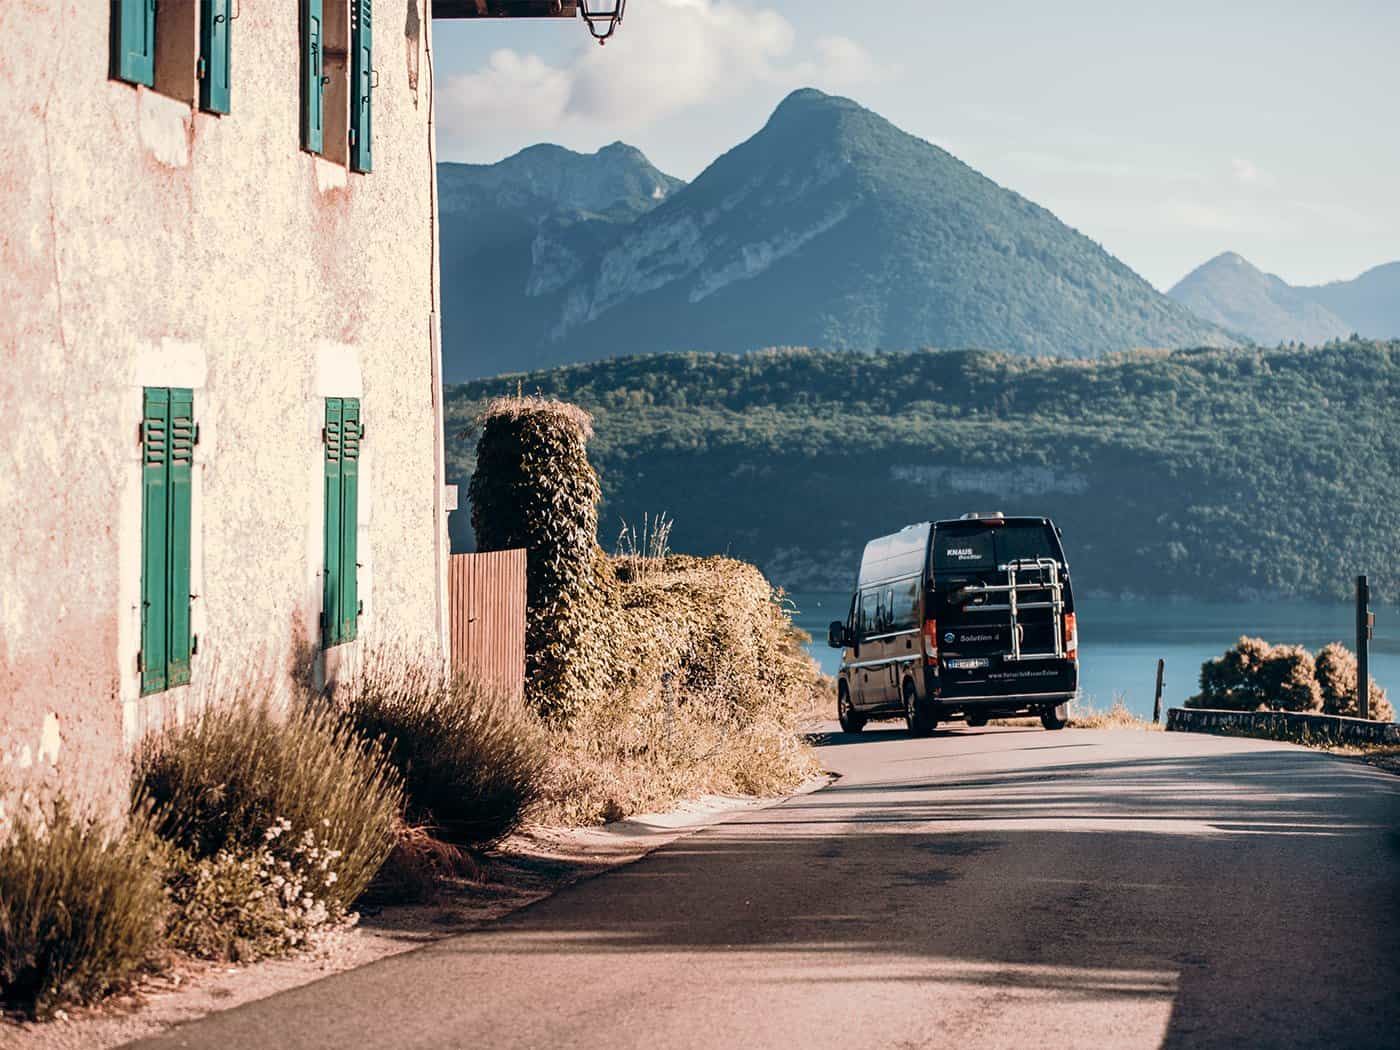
{"x":1247,"y":173}
{"x":667,"y":56}
{"x":842,"y":62}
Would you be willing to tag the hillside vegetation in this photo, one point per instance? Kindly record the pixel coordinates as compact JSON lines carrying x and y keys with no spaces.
{"x":1209,"y":473}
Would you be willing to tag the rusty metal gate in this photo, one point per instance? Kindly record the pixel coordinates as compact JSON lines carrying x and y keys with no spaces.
{"x":486,"y":596}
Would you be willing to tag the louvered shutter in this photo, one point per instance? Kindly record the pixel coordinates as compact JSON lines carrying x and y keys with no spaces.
{"x":182,"y":435}
{"x":312,"y":85}
{"x":214,"y":33}
{"x":155,"y":543}
{"x":134,"y":41}
{"x":361,"y":77}
{"x":330,"y":602}
{"x":349,"y":518}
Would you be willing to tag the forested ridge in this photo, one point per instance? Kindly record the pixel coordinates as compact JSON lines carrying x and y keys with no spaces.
{"x":1207,"y":473}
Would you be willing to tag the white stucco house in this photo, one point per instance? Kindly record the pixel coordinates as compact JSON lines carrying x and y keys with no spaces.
{"x":219,"y":363}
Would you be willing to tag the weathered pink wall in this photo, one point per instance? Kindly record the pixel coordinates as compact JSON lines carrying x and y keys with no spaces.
{"x":143,"y":243}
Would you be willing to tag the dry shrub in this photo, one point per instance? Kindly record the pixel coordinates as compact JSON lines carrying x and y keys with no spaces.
{"x":1257,"y":676}
{"x":709,"y":681}
{"x":247,"y":904}
{"x":471,"y":758}
{"x":1288,"y":679}
{"x":418,"y":867}
{"x":1232,"y":682}
{"x":1336,"y":678}
{"x":222,"y":782}
{"x":81,"y":906}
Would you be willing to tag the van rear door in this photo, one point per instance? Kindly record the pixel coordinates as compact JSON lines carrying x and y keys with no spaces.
{"x":984,"y":648}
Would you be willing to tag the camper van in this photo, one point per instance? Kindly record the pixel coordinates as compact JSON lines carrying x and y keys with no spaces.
{"x":960,"y":620}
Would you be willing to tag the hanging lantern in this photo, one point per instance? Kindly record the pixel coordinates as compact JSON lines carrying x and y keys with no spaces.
{"x":603,"y":17}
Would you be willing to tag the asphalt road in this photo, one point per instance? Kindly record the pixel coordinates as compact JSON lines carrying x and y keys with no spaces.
{"x":983,"y":888}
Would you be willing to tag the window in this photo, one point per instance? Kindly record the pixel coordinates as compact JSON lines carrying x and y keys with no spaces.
{"x":179,"y":48}
{"x":340,"y":608}
{"x":362,"y":85}
{"x":904,"y":605}
{"x":168,"y":437}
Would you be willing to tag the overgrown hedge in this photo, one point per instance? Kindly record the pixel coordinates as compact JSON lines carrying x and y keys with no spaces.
{"x":1254,"y":675}
{"x":534,"y":488}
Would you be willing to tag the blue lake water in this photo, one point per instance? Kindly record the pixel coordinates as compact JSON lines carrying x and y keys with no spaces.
{"x":1120,"y":641}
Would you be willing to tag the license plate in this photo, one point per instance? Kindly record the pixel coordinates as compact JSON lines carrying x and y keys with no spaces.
{"x":969,"y":664}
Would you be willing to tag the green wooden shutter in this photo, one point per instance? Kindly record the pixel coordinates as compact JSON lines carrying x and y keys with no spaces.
{"x":134,"y":41}
{"x":330,"y":602}
{"x":182,"y":434}
{"x":214,"y":33}
{"x":349,"y":518}
{"x":155,"y":518}
{"x":312,"y":82}
{"x":361,"y":77}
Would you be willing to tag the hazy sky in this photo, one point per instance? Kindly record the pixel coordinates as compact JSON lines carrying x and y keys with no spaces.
{"x":1167,"y":133}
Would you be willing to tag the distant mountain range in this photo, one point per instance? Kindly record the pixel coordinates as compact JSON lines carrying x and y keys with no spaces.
{"x":1231,"y":292}
{"x":829,"y":227}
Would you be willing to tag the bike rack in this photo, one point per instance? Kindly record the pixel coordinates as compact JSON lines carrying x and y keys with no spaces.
{"x":1048,"y":579}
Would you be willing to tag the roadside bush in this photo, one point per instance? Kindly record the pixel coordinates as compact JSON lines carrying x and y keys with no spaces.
{"x":1254,"y":676}
{"x":709,"y":684}
{"x":248,"y":904}
{"x":1233,"y":681}
{"x":533,"y":487}
{"x":1336,"y":679}
{"x":472,"y":759}
{"x":1288,"y":679}
{"x":81,"y":906}
{"x":244,"y":778}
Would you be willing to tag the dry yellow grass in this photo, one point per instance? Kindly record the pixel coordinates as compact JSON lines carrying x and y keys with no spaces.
{"x":710,"y":685}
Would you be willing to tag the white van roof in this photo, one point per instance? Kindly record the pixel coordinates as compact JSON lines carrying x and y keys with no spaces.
{"x":899,"y":554}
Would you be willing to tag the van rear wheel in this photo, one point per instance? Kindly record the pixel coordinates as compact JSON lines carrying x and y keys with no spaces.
{"x":919,"y":723}
{"x":1056,"y":717}
{"x":851,"y":721}
{"x":976,"y":721}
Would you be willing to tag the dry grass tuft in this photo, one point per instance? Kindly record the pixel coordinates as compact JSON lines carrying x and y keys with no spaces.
{"x":81,"y":906}
{"x":1086,"y":716}
{"x":471,"y":757}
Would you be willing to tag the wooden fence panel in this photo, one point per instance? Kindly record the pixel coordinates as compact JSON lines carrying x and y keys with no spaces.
{"x":486,"y":595}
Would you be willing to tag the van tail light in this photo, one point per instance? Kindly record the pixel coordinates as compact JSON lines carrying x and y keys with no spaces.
{"x":931,"y":642}
{"x":1071,"y":637}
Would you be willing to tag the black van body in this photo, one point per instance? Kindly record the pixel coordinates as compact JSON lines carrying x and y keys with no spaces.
{"x":965,"y":619}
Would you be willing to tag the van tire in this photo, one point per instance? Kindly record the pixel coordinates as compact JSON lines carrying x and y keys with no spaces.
{"x":976,"y":721}
{"x":918,"y":721}
{"x":851,"y":721}
{"x":1056,"y":717}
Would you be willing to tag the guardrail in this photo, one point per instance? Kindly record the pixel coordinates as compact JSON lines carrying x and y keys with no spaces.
{"x":1282,"y":725}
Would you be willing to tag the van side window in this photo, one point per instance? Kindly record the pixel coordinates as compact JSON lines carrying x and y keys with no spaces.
{"x":904,"y":605}
{"x":870,"y":612}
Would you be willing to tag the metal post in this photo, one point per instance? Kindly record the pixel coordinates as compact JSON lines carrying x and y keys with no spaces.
{"x":1157,"y":701}
{"x":1363,"y":647}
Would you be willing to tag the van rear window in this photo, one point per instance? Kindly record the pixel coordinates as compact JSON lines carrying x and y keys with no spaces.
{"x":954,"y":550}
{"x":985,"y":547}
